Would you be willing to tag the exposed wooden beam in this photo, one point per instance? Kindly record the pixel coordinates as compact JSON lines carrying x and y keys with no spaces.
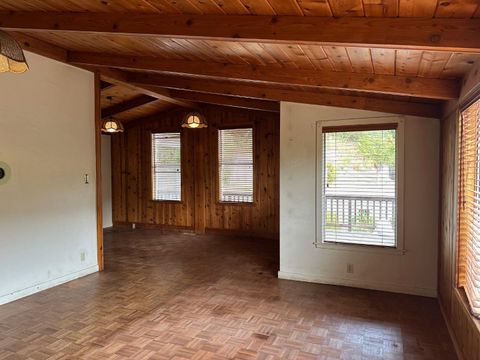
{"x":281,"y":94}
{"x":40,"y":47}
{"x":399,"y":33}
{"x":118,"y":77}
{"x":127,"y":105}
{"x":386,"y":84}
{"x":239,"y":102}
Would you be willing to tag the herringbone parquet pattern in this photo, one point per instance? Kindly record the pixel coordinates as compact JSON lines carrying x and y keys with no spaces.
{"x":166,"y":296}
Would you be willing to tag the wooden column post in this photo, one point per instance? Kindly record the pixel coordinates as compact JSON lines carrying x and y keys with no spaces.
{"x":98,"y":171}
{"x":200,"y":163}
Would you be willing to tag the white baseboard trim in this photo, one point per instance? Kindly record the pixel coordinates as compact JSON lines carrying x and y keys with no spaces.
{"x":371,"y":285}
{"x":46,"y":285}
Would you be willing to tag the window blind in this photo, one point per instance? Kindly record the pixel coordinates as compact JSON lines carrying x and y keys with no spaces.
{"x":359,"y":204}
{"x":468,"y":242}
{"x":235,"y":153}
{"x":166,"y":166}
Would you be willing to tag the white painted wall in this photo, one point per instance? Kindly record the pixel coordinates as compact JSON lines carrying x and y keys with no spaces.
{"x":107,"y":181}
{"x":47,"y":212}
{"x":414,"y":272}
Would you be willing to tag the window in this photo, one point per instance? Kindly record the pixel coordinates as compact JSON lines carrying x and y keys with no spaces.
{"x":235,"y":155}
{"x":166,"y":166}
{"x":358,"y":184}
{"x":468,"y":227}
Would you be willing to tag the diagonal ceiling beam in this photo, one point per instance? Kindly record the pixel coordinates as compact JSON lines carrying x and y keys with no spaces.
{"x":127,"y":105}
{"x":386,"y":84}
{"x":281,"y":94}
{"x":399,"y":33}
{"x":239,"y":102}
{"x":118,"y":77}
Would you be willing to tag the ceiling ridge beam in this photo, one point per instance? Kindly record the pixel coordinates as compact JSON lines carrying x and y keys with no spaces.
{"x":444,"y":89}
{"x":396,"y":106}
{"x":127,"y":105}
{"x":442,"y":34}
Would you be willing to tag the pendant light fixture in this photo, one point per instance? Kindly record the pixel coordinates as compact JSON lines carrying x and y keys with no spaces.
{"x":111,"y":125}
{"x":194,"y":120}
{"x":12,"y":58}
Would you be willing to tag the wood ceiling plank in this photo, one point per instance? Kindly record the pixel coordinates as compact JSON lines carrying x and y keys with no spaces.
{"x":318,"y":57}
{"x":163,"y":6}
{"x":361,"y":60}
{"x":258,"y":7}
{"x":433,"y":63}
{"x":347,"y":8}
{"x":207,"y":6}
{"x":239,"y":102}
{"x":144,"y":110}
{"x":428,"y":88}
{"x":459,"y":64}
{"x":460,"y":35}
{"x":199,"y":49}
{"x":315,"y":7}
{"x":127,"y":105}
{"x":381,"y":8}
{"x":338,"y":57}
{"x":286,"y":7}
{"x":383,"y":61}
{"x":456,"y":8}
{"x":277,"y":52}
{"x":264,"y":57}
{"x":229,"y":50}
{"x":117,"y":94}
{"x":298,"y":58}
{"x":408,"y":62}
{"x":303,"y":96}
{"x":417,"y":8}
{"x":184,"y":7}
{"x":232,"y":7}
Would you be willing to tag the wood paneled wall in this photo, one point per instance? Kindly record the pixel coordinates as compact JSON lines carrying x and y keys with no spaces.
{"x":200,"y":209}
{"x":463,"y":327}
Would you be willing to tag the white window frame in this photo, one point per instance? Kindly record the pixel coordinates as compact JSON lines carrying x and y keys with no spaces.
{"x":399,"y":175}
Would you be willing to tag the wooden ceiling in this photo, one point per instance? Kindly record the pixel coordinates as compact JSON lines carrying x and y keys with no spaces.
{"x":406,"y":56}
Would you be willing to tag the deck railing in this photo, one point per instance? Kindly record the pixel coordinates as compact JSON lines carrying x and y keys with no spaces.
{"x":358,"y":212}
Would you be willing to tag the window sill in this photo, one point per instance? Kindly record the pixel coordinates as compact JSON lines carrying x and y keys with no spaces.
{"x":228,"y":203}
{"x":374,"y":249}
{"x":167,"y":201}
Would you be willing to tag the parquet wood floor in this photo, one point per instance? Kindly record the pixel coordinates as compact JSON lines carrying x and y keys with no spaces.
{"x":173,"y":296}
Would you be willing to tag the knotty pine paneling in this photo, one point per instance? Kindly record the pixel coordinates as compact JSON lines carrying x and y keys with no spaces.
{"x":199,"y":209}
{"x":465,"y":329}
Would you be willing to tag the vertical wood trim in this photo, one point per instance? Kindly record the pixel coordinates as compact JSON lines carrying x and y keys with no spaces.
{"x":199,"y":179}
{"x":98,"y":171}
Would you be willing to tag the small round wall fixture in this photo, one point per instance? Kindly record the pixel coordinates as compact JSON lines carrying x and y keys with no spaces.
{"x":194,"y":120}
{"x":12,"y":58}
{"x":5,"y":173}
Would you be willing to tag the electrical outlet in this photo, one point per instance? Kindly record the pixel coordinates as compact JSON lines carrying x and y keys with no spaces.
{"x":82,"y":256}
{"x":350,"y":268}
